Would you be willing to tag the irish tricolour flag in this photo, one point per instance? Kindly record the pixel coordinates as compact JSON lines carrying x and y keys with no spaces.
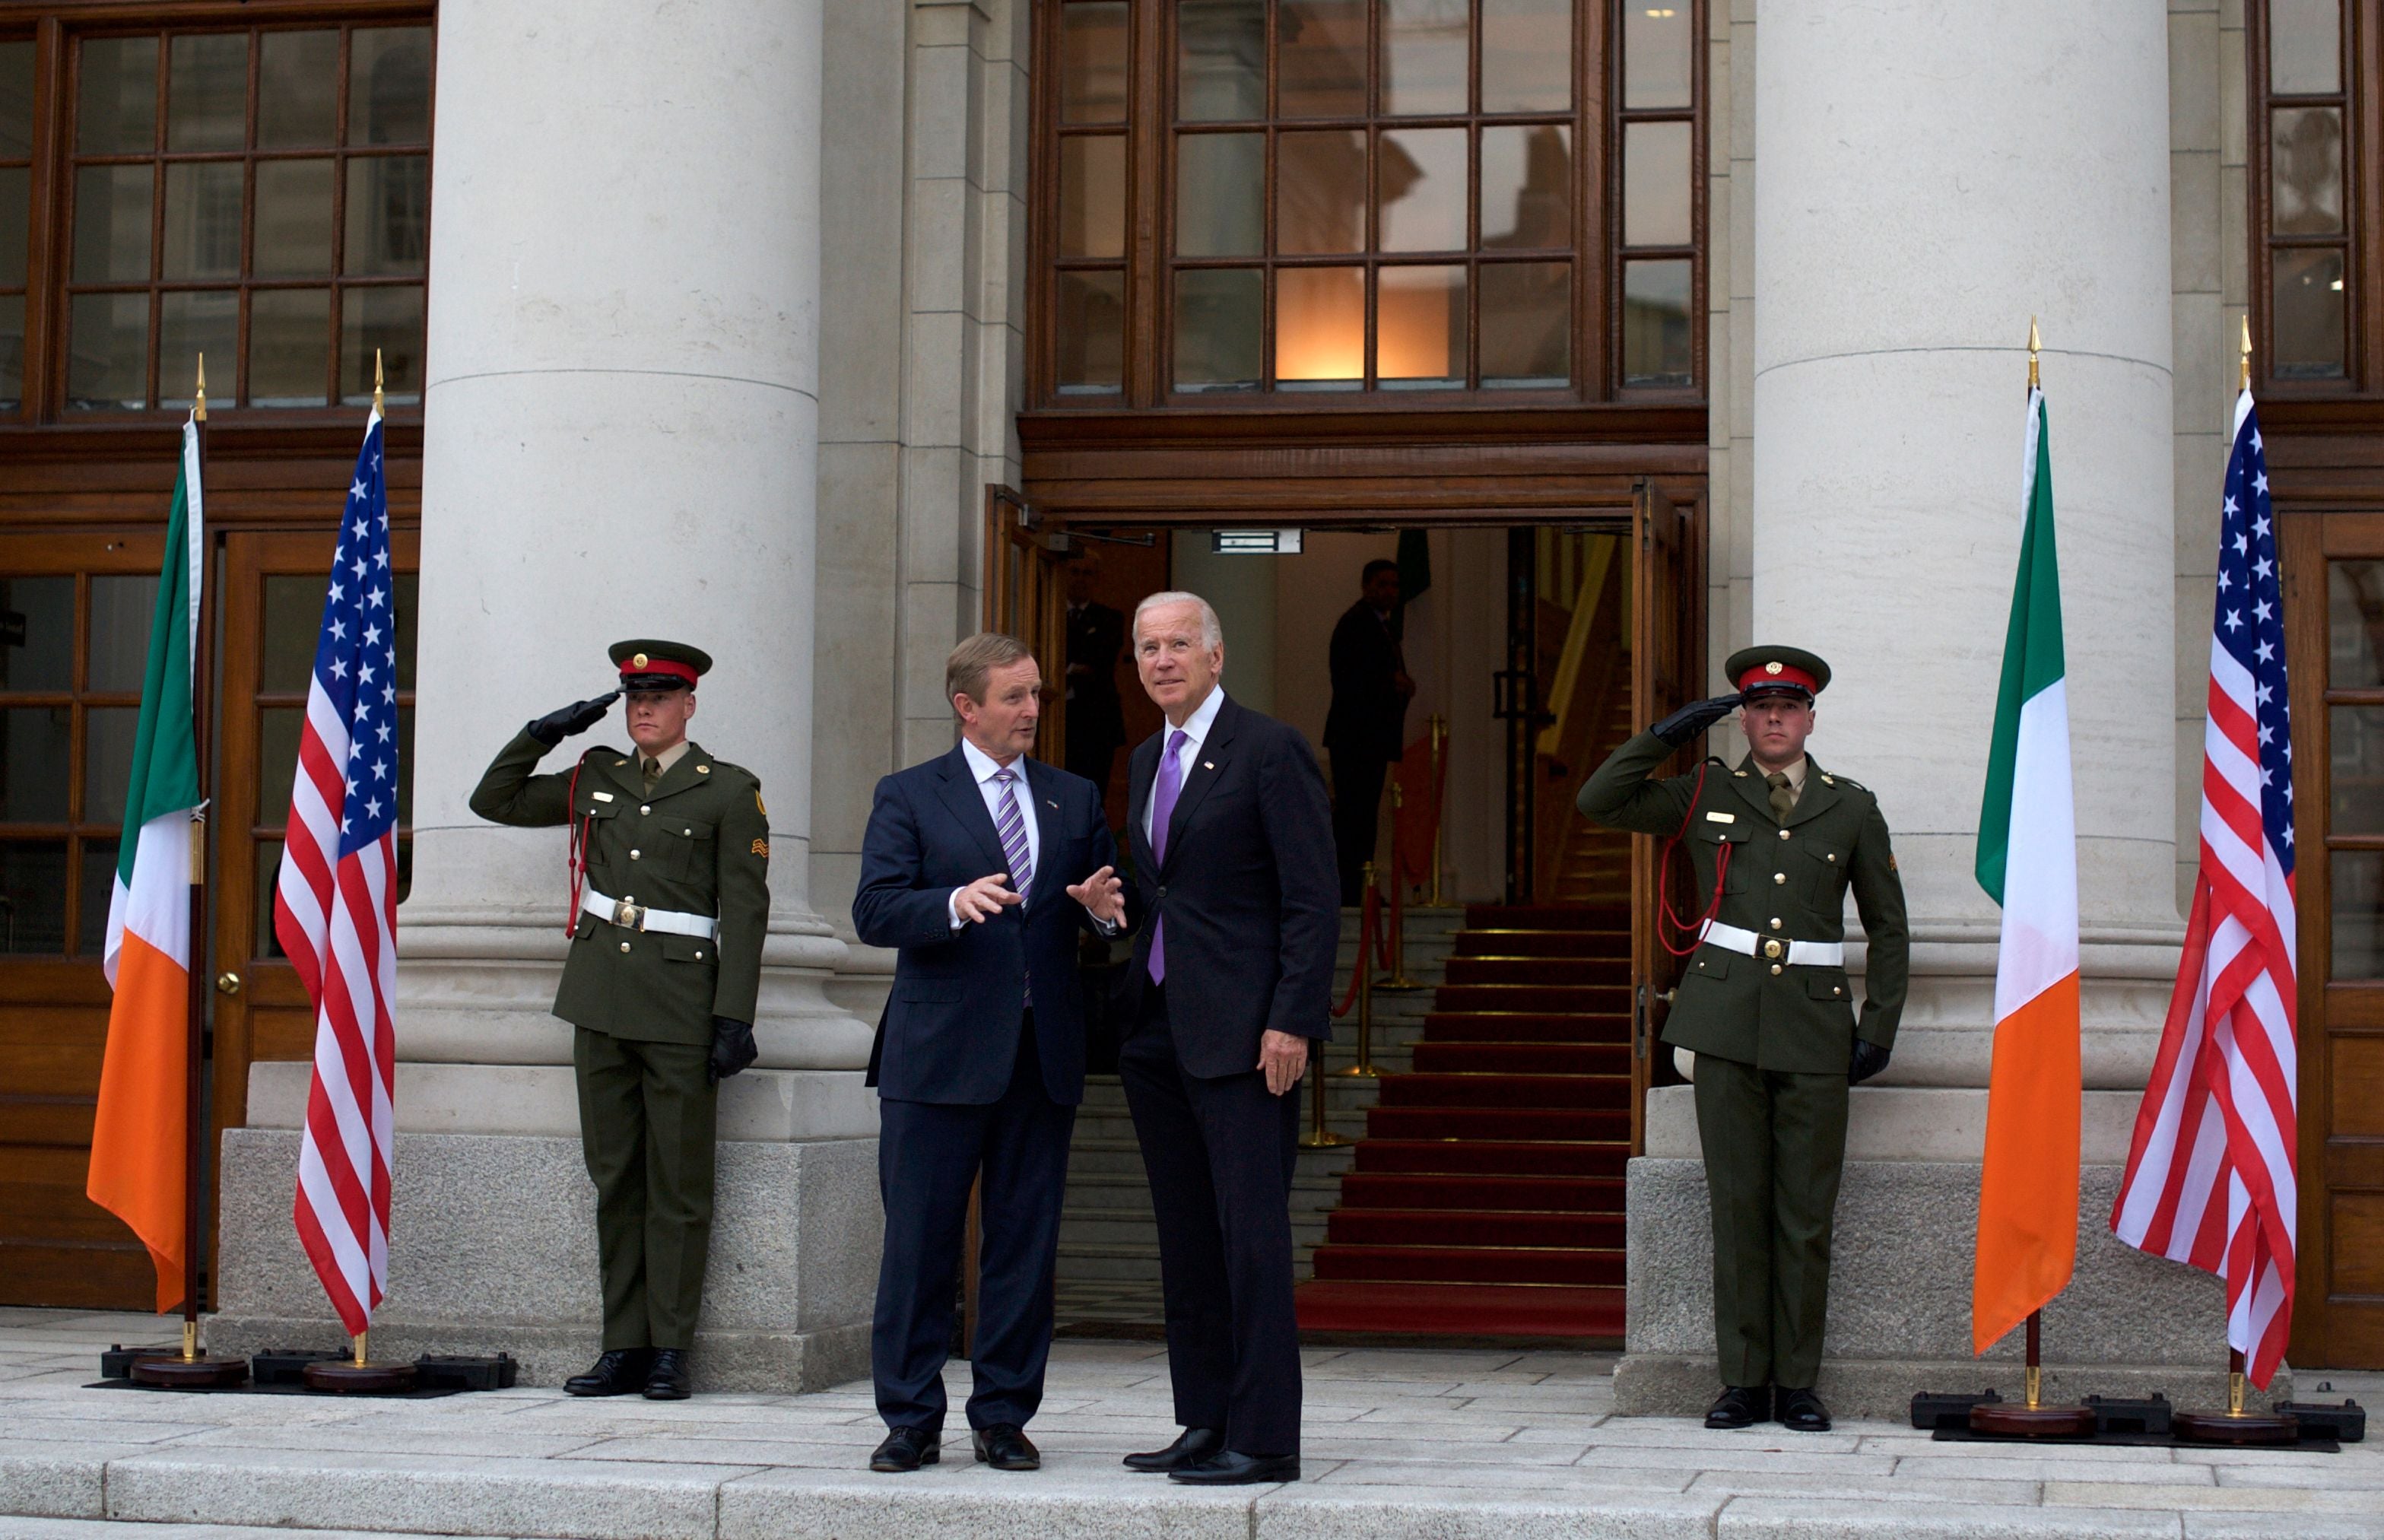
{"x":138,"y":1141}
{"x":2027,"y":862}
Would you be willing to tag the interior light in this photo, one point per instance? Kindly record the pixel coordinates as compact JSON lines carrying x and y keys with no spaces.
{"x":1663,"y":13}
{"x":2336,"y":286}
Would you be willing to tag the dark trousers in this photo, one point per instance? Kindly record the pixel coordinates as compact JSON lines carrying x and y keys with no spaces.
{"x":1775,"y":1145}
{"x":1220,"y":1155}
{"x":1357,"y":799}
{"x":928,"y":1155}
{"x":646,"y":1123}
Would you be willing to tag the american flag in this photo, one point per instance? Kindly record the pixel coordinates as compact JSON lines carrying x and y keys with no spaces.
{"x":2210,"y":1177}
{"x":335,"y":905}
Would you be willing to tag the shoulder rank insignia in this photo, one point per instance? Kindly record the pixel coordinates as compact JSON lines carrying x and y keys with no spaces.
{"x":757,"y":804}
{"x":762,"y":848}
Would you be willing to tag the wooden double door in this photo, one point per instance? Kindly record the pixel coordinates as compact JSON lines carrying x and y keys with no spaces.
{"x":75,"y":611}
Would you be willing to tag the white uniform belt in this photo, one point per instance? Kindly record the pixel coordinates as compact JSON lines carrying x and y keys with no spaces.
{"x":1800,"y":954}
{"x":630,"y":916}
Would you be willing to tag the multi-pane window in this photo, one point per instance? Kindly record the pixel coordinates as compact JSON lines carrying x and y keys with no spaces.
{"x":259,"y":196}
{"x":15,"y":211}
{"x":1370,"y":196}
{"x":2305,"y":104}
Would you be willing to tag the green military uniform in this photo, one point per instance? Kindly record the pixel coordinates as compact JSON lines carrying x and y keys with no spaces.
{"x":693,"y":843}
{"x":1773,"y":1031}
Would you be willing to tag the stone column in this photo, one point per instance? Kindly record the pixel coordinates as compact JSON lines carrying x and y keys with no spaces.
{"x":620,"y":439}
{"x":1929,"y":175}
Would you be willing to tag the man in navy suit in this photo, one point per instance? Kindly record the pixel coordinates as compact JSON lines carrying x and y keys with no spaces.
{"x":979,"y":866}
{"x":1237,"y":912}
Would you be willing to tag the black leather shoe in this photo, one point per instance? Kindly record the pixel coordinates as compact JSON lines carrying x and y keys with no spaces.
{"x":1005,"y":1446}
{"x":671,"y":1378}
{"x":1740,"y":1406}
{"x":1802,"y":1411}
{"x":1191,"y":1447}
{"x":906,"y":1450}
{"x":617,"y":1372}
{"x":1227,"y":1469}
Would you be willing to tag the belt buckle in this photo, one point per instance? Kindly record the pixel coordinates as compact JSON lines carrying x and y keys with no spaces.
{"x":1772,"y":949}
{"x":629,"y":916}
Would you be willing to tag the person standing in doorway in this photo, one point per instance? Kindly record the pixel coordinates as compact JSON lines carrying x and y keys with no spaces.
{"x":1365,"y":731}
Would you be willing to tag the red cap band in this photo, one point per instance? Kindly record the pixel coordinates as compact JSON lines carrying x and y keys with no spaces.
{"x":660,"y":666}
{"x":1778,"y":673}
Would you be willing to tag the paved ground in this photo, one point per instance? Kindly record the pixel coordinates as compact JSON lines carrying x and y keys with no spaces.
{"x":1434,"y":1444}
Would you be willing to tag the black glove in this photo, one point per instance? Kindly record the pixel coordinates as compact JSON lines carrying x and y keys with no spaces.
{"x":1690,"y":720}
{"x":577,"y":717}
{"x":732,"y":1049}
{"x":1868,"y":1060}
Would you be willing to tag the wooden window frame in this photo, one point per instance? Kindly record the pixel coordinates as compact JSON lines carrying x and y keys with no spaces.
{"x":2362,"y":236}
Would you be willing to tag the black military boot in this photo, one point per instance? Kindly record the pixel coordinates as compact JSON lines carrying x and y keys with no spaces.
{"x":617,"y":1373}
{"x":672,"y":1377}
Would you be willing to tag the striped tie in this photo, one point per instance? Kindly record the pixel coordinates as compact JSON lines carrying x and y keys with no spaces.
{"x":1012,"y":826}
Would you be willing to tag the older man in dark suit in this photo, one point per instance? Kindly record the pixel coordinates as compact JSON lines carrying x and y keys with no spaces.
{"x":1237,"y":922}
{"x":980,"y":866}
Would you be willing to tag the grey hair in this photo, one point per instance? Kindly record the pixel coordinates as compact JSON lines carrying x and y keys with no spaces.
{"x":1213,"y":633}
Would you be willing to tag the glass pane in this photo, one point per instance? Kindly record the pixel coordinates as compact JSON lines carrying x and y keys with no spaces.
{"x":108,"y":733}
{"x":1220,"y":60}
{"x":1092,"y":333}
{"x":1092,"y":62}
{"x":1319,"y":327}
{"x":1320,"y":58}
{"x":1420,"y":183}
{"x":108,"y":343}
{"x":36,"y":633}
{"x":1424,"y":48}
{"x":388,"y":217}
{"x":409,"y":587}
{"x":288,"y":346}
{"x":111,"y":224}
{"x":2356,"y":779}
{"x":2305,"y":46}
{"x":206,"y":92}
{"x":298,"y":91}
{"x":17,"y":97}
{"x":1419,"y":327}
{"x":1217,"y":322}
{"x":1527,"y":55}
{"x":294,"y":622}
{"x":1092,"y":195}
{"x":278,"y":731}
{"x":123,"y":608}
{"x":191,"y":323}
{"x":2355,"y":625}
{"x":98,"y":885}
{"x":1656,"y":184}
{"x":1656,"y":56}
{"x":2305,"y":166}
{"x":269,"y":872}
{"x":1319,"y":191}
{"x":2358,"y":913}
{"x":12,"y":351}
{"x":202,"y":232}
{"x":16,"y":207}
{"x":391,"y":320}
{"x":33,"y":897}
{"x":1656,"y":323}
{"x":1220,"y":195}
{"x":1527,"y":187}
{"x":2307,"y":339}
{"x":389,"y":86}
{"x":1526,"y":324}
{"x":34,"y":764}
{"x":116,"y":106}
{"x":293,"y":218}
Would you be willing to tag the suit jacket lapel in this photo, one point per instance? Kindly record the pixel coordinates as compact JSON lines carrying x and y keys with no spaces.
{"x":1050,"y":834}
{"x":675,"y":780}
{"x":1138,"y":776}
{"x":967,"y":804}
{"x":1200,"y":771}
{"x":1747,"y":780}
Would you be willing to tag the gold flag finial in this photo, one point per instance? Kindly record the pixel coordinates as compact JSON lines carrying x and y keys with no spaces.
{"x":376,"y":380}
{"x":2244,"y":375}
{"x":2033,"y":343}
{"x":199,"y":405}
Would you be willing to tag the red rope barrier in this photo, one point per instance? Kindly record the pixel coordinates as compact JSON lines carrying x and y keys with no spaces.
{"x":1357,"y":972}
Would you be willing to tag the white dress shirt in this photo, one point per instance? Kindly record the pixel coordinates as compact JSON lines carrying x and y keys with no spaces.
{"x":1195,"y":732}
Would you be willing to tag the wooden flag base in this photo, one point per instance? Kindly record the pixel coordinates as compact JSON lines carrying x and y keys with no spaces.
{"x":347,"y":1377}
{"x":2239,"y":1429}
{"x":2016,"y":1420}
{"x":173,"y":1372}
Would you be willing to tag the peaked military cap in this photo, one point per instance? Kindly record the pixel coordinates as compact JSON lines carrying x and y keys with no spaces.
{"x":1761,"y":671}
{"x":647,"y":663}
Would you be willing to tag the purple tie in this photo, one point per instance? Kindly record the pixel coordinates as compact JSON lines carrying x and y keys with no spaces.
{"x":1163,"y":791}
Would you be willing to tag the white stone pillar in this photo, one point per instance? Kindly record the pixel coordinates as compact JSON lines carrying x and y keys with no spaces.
{"x":1930,"y":174}
{"x":620,"y":439}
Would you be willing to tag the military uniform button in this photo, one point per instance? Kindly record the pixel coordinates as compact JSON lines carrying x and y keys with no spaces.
{"x":625,"y":946}
{"x":1775,"y":922}
{"x":636,"y":855}
{"x":1779,"y":877}
{"x":1833,"y":859}
{"x":1775,"y":967}
{"x":643,"y":810}
{"x":1835,"y":989}
{"x":699,"y":954}
{"x":1783,"y":834}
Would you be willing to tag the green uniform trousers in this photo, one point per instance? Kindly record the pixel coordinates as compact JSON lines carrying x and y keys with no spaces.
{"x":1775,"y":1145}
{"x":646,"y":1123}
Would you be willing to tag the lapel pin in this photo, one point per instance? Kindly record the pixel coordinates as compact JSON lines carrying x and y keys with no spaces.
{"x":1052,"y":805}
{"x":1208,"y":764}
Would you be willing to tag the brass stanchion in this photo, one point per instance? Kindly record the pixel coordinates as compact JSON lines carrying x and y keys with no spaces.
{"x":1364,"y":1068}
{"x":1439,"y":792}
{"x":1396,"y":978}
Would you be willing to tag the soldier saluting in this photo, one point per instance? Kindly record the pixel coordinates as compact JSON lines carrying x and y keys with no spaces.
{"x":1765,"y":1005}
{"x":670,"y":855}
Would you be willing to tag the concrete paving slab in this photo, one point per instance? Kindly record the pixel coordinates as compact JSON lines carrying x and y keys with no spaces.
{"x":1818,"y":1518}
{"x":1061,"y":1502}
{"x":1319,"y":1512}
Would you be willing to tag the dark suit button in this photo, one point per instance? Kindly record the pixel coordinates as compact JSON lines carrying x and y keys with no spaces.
{"x":1162,"y":891}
